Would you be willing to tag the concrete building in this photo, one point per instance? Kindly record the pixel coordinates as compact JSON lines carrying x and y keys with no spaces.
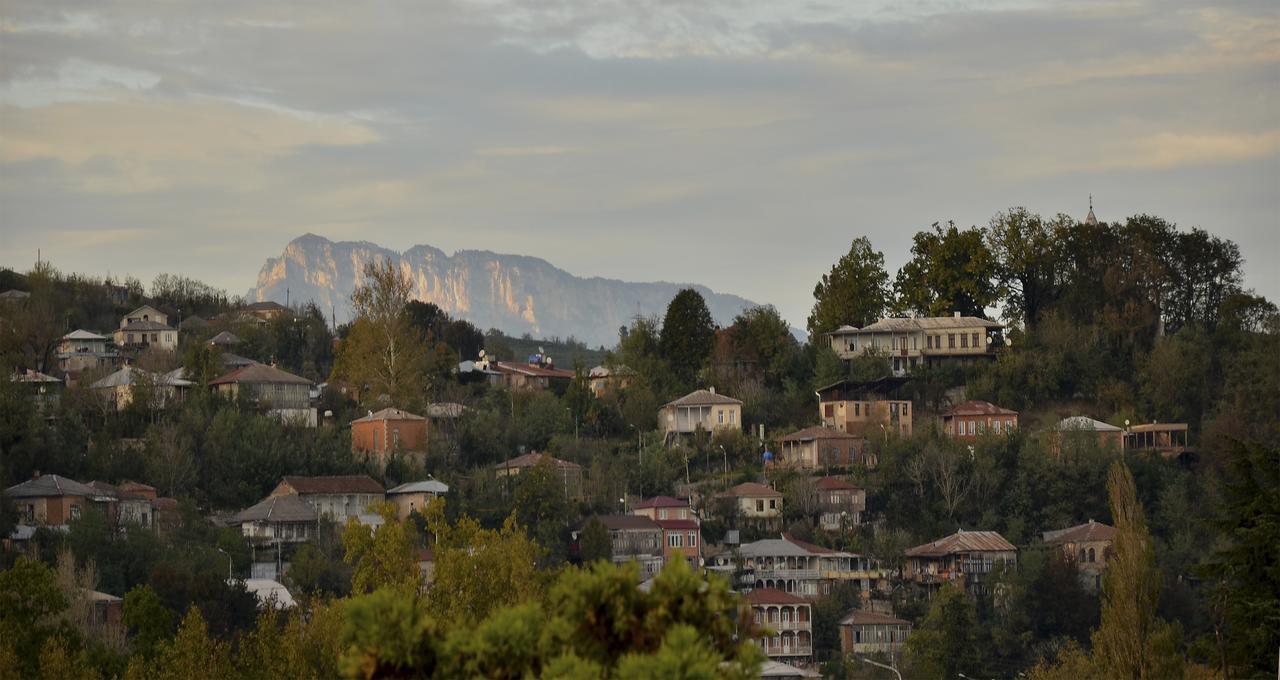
{"x":783,"y":625}
{"x":414,"y":496}
{"x":634,"y":538}
{"x":49,"y":500}
{"x":279,"y":393}
{"x":569,"y":473}
{"x":755,"y":503}
{"x":390,"y":430}
{"x":82,"y":350}
{"x":339,"y":496}
{"x":278,"y":519}
{"x":120,"y":388}
{"x":146,"y":327}
{"x":921,"y":342}
{"x":821,"y":447}
{"x":1088,"y":545}
{"x":874,"y":409}
{"x":1167,"y":439}
{"x":974,"y":419}
{"x":700,"y":409}
{"x":842,"y":504}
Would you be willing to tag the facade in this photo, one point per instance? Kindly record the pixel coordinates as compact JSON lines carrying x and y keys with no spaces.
{"x":1089,"y":546}
{"x":339,"y":497}
{"x":278,"y":519}
{"x":974,"y":419}
{"x":120,"y":388}
{"x":82,"y":350}
{"x":280,"y":393}
{"x":756,"y":502}
{"x":873,"y":409}
{"x":414,"y":496}
{"x":388,"y":431}
{"x":635,"y":538}
{"x":146,"y":327}
{"x":571,"y":473}
{"x":606,"y":379}
{"x":922,"y":342}
{"x":841,"y":503}
{"x":1071,"y":434}
{"x":42,"y":390}
{"x":821,"y":447}
{"x":681,"y":528}
{"x":699,"y":409}
{"x":783,"y":625}
{"x":130,"y":503}
{"x":49,"y":500}
{"x":1167,"y":439}
{"x":266,"y":310}
{"x":537,"y":374}
{"x":801,"y":568}
{"x":965,"y":557}
{"x":866,"y":633}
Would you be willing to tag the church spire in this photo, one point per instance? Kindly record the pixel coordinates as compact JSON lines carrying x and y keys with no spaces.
{"x":1090,"y":219}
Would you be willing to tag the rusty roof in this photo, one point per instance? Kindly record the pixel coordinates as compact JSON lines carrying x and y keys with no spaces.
{"x":1081,"y":533}
{"x":332,"y":484}
{"x":747,"y":489}
{"x":834,"y":484}
{"x":963,"y":542}
{"x":702,"y":398}
{"x":809,"y":434}
{"x":773,"y":596}
{"x":529,"y":460}
{"x":860,"y":617}
{"x":979,"y":408}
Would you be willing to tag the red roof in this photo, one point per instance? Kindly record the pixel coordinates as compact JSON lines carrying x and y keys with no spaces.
{"x":752,"y":489}
{"x":817,"y":432}
{"x":773,"y":596}
{"x":834,"y":484}
{"x":663,"y":502}
{"x":530,"y":370}
{"x":807,"y":546}
{"x":259,"y":373}
{"x":859,"y":617}
{"x":333,"y":484}
{"x":529,"y":460}
{"x":979,"y":408}
{"x":677,"y":524}
{"x":1083,"y":533}
{"x":963,"y":542}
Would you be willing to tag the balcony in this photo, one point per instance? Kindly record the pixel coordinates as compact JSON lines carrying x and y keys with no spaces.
{"x":788,"y":626}
{"x":787,"y":650}
{"x":797,"y":574}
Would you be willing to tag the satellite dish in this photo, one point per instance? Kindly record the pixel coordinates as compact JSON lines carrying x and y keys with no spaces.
{"x":481,"y":353}
{"x":540,"y":350}
{"x":988,"y":339}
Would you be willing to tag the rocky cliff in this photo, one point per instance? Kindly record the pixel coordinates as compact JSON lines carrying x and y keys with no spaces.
{"x":514,"y":293}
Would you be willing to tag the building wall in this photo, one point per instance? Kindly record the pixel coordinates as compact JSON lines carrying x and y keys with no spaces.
{"x":383,"y":436}
{"x":864,"y":418}
{"x":969,"y":428}
{"x":874,"y":638}
{"x":54,"y":510}
{"x":686,"y":419}
{"x":753,"y":507}
{"x":407,"y":503}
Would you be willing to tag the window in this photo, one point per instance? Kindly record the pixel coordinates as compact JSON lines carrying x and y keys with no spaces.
{"x":995,"y":427}
{"x":1092,"y":556}
{"x":928,"y":341}
{"x":693,"y":539}
{"x":894,"y":342}
{"x":951,"y":340}
{"x":662,"y":514}
{"x":964,"y":340}
{"x":857,"y":408}
{"x":829,"y":410}
{"x":1082,"y":554}
{"x":759,"y":506}
{"x":975,"y":341}
{"x":674,"y":540}
{"x":395,"y":438}
{"x":982,"y":427}
{"x":1009,"y":424}
{"x":915,"y":342}
{"x":720,"y":416}
{"x":905,"y":406}
{"x":75,"y":511}
{"x":972,"y":427}
{"x":773,"y":504}
{"x":731,"y":417}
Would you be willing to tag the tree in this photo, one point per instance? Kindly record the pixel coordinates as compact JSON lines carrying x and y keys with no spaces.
{"x":950,"y":271}
{"x":1027,"y":264}
{"x":381,"y":557}
{"x":148,"y":620}
{"x":479,"y":570}
{"x":594,"y":542}
{"x":29,"y":602}
{"x":191,"y":654}
{"x":383,"y":354}
{"x":855,"y":291}
{"x":944,"y":644}
{"x":688,"y":335}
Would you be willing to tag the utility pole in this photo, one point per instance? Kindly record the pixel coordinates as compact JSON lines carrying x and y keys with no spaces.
{"x":864,"y":659}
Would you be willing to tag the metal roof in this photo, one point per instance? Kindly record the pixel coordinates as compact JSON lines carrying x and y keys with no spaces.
{"x":82,"y":334}
{"x":145,"y":326}
{"x":260,"y":374}
{"x":333,"y":484}
{"x":426,"y":486}
{"x":809,"y":434}
{"x":224,"y":338}
{"x":928,"y":323}
{"x":277,"y":509}
{"x":662,"y":502}
{"x":978,"y":408}
{"x":702,"y":398}
{"x":748,"y":489}
{"x":963,"y":542}
{"x":1081,"y":533}
{"x":48,"y":486}
{"x":387,"y":414}
{"x":861,"y":617}
{"x":127,"y":376}
{"x":1085,"y":423}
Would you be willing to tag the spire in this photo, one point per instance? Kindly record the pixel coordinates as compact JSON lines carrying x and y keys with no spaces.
{"x":1090,"y":219}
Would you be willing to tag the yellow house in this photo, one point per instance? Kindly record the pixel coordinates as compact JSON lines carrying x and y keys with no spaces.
{"x":701,"y":408}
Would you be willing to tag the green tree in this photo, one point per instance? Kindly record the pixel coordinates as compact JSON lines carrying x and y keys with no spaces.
{"x":30,"y":601}
{"x":1027,"y":262}
{"x":148,"y":620}
{"x":594,"y":542}
{"x":945,"y":644}
{"x":191,"y":654}
{"x":381,"y":557}
{"x":479,"y":570}
{"x":688,"y":335}
{"x":855,"y":291}
{"x":950,"y":271}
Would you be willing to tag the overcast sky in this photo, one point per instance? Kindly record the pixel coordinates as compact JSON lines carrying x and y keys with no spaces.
{"x":736,"y":143}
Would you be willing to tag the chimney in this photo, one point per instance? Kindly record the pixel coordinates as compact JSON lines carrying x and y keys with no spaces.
{"x":712,"y":389}
{"x":35,"y":474}
{"x":956,"y":314}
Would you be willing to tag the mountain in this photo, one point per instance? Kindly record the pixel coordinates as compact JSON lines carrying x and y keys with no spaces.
{"x":514,"y":293}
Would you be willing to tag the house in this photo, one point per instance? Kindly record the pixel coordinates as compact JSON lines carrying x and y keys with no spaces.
{"x":570,"y":472}
{"x":388,"y":431}
{"x":800,"y":568}
{"x":224,"y":340}
{"x":82,"y":350}
{"x":866,"y":632}
{"x":280,"y":393}
{"x":974,"y":419}
{"x":49,"y":500}
{"x":120,"y":388}
{"x":264,"y":311}
{"x":634,"y":538}
{"x":339,"y":497}
{"x":108,"y":610}
{"x":270,"y":593}
{"x":131,"y":502}
{"x":921,"y":342}
{"x":42,"y":390}
{"x":876,"y":408}
{"x":1071,"y":434}
{"x":539,"y":373}
{"x":681,"y":528}
{"x":840,"y":503}
{"x":193,"y":323}
{"x":1089,"y":546}
{"x":1167,"y":439}
{"x":783,"y":625}
{"x":278,"y":519}
{"x":965,"y":557}
{"x":146,"y":327}
{"x":821,"y":447}
{"x":14,"y":296}
{"x":603,"y":380}
{"x":755,"y":503}
{"x":413,"y":496}
{"x":700,"y":409}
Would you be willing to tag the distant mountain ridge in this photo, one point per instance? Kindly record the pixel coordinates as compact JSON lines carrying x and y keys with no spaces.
{"x":515,"y":293}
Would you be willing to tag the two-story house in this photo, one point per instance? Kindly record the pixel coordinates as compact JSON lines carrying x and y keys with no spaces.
{"x":280,"y":393}
{"x":538,"y":373}
{"x":974,"y":419}
{"x":1082,"y":432}
{"x":82,"y":350}
{"x":569,"y":473}
{"x":387,"y":431}
{"x":681,"y":529}
{"x":753,"y":503}
{"x":1089,"y":546}
{"x":413,"y":497}
{"x":339,"y":496}
{"x":873,"y":409}
{"x":921,"y":342}
{"x":278,"y":519}
{"x":49,"y":500}
{"x":867,"y":633}
{"x":840,"y":503}
{"x":965,"y":557}
{"x":634,"y":538}
{"x":821,"y":446}
{"x":783,"y":625}
{"x":119,"y":389}
{"x":146,"y":327}
{"x":606,"y":379}
{"x":1167,"y":439}
{"x":700,"y":409}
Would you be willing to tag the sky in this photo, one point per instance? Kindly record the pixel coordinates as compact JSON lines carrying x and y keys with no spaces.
{"x":740,"y":144}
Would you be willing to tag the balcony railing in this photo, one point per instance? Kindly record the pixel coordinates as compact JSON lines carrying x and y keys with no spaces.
{"x":792,"y":625}
{"x":799,"y":574}
{"x":788,"y":650}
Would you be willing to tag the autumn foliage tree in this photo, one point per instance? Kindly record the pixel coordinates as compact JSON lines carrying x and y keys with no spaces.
{"x":383,"y":354}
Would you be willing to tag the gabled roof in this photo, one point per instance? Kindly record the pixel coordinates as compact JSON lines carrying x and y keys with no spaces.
{"x":677,"y":524}
{"x":332,"y":484}
{"x":33,"y":376}
{"x":662,"y":502}
{"x":810,"y":547}
{"x":1085,"y":423}
{"x":445,"y":409}
{"x":978,"y":408}
{"x":861,"y":617}
{"x":608,"y":372}
{"x":963,"y":542}
{"x":425,"y":486}
{"x":143,"y":310}
{"x":529,"y":460}
{"x":834,"y":484}
{"x":14,"y":294}
{"x":775,"y":547}
{"x":277,"y":509}
{"x":927,"y":323}
{"x":626,"y":523}
{"x":265,"y":306}
{"x":809,"y":434}
{"x":387,"y":414}
{"x":773,"y":596}
{"x":224,"y":338}
{"x":259,"y":374}
{"x":235,"y":360}
{"x":127,"y":376}
{"x":48,"y":486}
{"x":145,"y":326}
{"x":750,"y":489}
{"x":702,"y":398}
{"x":1082,"y":533}
{"x":82,"y":334}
